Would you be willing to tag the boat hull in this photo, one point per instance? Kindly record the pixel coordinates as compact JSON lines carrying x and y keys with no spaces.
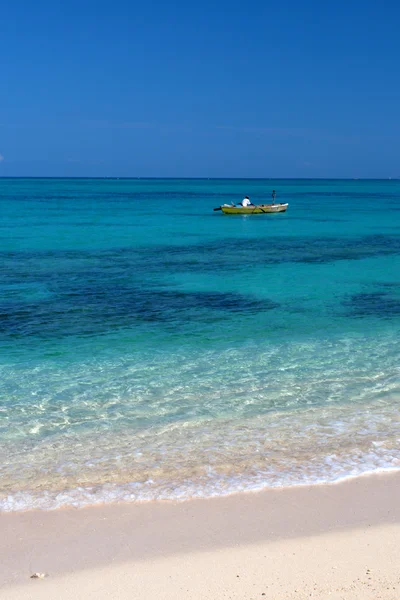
{"x":253,"y":210}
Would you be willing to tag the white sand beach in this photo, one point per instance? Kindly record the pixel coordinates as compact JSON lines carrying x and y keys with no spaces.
{"x":338,"y":541}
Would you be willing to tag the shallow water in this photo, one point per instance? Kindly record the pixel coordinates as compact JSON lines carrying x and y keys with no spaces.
{"x":153,"y":348}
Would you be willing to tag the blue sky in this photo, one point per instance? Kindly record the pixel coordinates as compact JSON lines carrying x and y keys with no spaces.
{"x":230,"y":89}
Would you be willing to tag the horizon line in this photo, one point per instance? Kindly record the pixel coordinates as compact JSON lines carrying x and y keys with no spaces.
{"x":201,"y":178}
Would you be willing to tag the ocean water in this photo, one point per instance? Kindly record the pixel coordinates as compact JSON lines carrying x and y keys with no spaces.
{"x":152,"y":348}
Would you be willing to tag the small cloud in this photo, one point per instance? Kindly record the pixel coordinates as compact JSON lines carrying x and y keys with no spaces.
{"x":1,"y":157}
{"x":290,"y":131}
{"x":117,"y":124}
{"x":85,"y":162}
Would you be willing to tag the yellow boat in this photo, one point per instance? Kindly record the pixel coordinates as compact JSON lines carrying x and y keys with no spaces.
{"x":229,"y":209}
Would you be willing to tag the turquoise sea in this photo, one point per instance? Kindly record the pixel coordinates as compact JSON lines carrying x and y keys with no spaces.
{"x":152,"y":348}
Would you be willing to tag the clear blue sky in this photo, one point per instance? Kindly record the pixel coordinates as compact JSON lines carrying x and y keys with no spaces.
{"x":215,"y":88}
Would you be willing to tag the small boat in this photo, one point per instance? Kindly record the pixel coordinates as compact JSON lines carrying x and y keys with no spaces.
{"x":229,"y":209}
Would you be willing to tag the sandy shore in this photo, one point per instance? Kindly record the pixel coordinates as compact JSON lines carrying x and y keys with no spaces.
{"x":337,"y":541}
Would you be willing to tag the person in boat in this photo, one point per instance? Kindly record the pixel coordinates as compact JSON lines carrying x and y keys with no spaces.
{"x":246,"y":201}
{"x":273,"y":196}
